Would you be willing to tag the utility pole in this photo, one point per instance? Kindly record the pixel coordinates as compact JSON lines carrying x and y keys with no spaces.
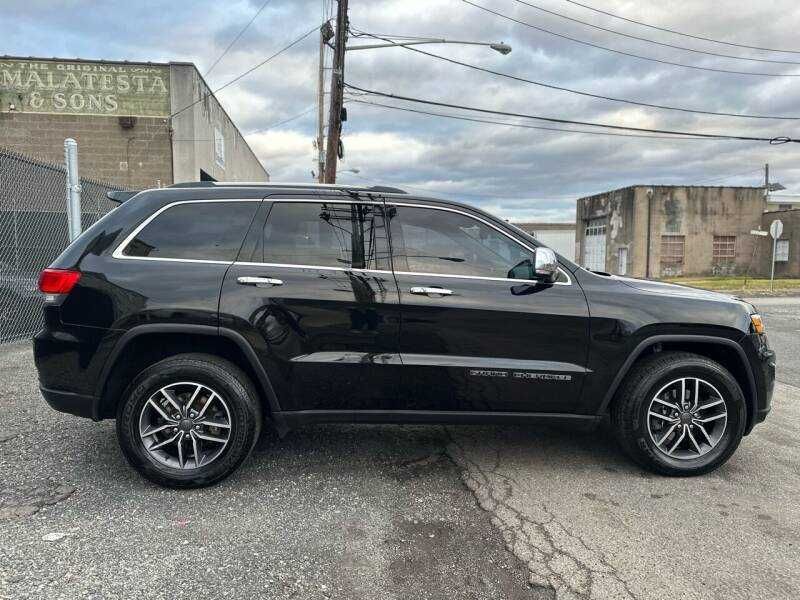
{"x":325,"y":34}
{"x":337,"y":93}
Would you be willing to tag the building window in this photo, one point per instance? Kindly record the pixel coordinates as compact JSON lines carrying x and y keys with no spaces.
{"x":672,"y":249}
{"x":596,"y":227}
{"x":724,"y":249}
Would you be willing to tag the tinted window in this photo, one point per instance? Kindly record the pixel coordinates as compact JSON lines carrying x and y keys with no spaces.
{"x":197,"y":230}
{"x":326,"y":235}
{"x":435,"y":241}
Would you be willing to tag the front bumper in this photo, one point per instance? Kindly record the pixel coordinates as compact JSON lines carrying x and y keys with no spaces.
{"x":762,"y":360}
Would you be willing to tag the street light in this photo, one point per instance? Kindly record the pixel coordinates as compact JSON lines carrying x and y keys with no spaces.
{"x":502,"y":47}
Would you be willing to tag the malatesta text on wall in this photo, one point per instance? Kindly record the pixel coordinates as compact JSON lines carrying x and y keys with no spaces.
{"x":84,"y":88}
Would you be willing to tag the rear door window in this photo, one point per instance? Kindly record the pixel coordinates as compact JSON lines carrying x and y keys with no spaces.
{"x":326,"y":234}
{"x":195,"y":231}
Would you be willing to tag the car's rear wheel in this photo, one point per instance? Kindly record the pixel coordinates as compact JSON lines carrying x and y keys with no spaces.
{"x":679,"y":414}
{"x":188,"y":420}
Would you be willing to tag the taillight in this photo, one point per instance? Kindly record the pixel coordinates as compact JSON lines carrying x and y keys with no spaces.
{"x":58,"y":281}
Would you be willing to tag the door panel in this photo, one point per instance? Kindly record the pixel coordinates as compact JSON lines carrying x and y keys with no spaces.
{"x":491,"y":344}
{"x":326,"y":332}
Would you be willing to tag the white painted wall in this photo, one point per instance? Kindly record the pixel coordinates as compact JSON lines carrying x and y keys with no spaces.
{"x":560,"y":240}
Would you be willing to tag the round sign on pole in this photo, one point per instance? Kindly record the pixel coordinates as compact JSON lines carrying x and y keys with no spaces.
{"x":776,"y":229}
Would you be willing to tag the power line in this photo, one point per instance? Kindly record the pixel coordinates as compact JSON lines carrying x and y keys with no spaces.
{"x":283,"y":122}
{"x":589,"y":94}
{"x":238,"y":35}
{"x":689,"y":35}
{"x":250,"y":70}
{"x":428,"y":190}
{"x":730,"y":176}
{"x":622,"y":52}
{"x":718,"y":136}
{"x":649,"y":41}
{"x":522,"y":125}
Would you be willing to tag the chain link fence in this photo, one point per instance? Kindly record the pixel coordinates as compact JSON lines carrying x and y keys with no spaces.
{"x":33,"y":232}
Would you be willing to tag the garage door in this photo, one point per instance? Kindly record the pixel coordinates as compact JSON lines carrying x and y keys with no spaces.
{"x":594,"y":245}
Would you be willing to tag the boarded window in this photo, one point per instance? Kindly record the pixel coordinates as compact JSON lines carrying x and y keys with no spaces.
{"x":782,"y":251}
{"x":724,"y":249}
{"x":672,"y":249}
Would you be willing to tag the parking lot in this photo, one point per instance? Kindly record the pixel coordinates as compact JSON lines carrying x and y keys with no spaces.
{"x":400,"y":511}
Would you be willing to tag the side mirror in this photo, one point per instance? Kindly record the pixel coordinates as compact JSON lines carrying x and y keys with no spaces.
{"x":545,"y":265}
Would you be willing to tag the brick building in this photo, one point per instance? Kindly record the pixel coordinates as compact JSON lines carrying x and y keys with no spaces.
{"x":667,"y":231}
{"x":138,"y":125}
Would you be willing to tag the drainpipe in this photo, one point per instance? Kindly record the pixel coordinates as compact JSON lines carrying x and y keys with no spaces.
{"x":649,"y":228}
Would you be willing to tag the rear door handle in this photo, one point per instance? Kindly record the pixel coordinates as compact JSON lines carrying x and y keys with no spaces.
{"x":428,"y":291}
{"x":259,"y":281}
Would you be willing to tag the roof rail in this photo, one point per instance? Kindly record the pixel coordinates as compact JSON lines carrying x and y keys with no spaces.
{"x":120,"y":196}
{"x":301,"y":185}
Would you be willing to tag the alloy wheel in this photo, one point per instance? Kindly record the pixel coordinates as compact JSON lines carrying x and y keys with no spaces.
{"x":686,"y":418}
{"x":185,"y":425}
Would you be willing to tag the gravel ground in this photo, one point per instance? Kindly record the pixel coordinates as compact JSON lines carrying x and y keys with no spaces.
{"x":329,"y":512}
{"x":384,"y":512}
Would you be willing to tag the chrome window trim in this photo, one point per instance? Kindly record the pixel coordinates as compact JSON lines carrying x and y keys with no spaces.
{"x":413,"y":273}
{"x":118,"y":251}
{"x":485,"y":222}
{"x":308,"y":267}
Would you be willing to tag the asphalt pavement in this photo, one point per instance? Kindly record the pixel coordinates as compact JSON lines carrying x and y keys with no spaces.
{"x":396,"y":512}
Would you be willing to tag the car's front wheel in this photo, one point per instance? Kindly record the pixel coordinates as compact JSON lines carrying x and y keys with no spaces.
{"x":188,"y":420}
{"x":679,"y":414}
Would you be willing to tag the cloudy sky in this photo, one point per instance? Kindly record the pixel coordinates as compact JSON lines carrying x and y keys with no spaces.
{"x":522,"y":174}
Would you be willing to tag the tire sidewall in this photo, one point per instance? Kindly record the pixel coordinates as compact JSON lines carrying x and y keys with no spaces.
{"x":244,"y":426}
{"x":734,"y":428}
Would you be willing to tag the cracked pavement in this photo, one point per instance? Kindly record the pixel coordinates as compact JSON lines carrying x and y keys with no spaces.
{"x":589,"y":524}
{"x":397,"y":512}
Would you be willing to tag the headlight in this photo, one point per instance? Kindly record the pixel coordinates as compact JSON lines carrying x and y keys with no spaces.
{"x":756,"y":323}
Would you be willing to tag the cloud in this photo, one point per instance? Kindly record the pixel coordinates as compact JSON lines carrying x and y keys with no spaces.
{"x":521,"y":174}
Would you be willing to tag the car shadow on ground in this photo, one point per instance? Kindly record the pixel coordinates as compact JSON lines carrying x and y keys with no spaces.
{"x":395,"y":450}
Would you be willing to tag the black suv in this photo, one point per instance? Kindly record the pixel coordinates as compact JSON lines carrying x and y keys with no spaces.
{"x":197,"y":314}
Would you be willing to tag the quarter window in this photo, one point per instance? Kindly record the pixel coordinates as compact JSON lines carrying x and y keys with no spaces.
{"x":442,"y":242}
{"x":326,"y":234}
{"x":195,"y":230}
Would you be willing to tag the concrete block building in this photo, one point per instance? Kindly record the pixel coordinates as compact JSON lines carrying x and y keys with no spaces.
{"x":138,"y":125}
{"x":787,"y":255}
{"x":668,"y":231}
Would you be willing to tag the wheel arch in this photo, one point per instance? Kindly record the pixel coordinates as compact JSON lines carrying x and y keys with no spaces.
{"x":145,"y":345}
{"x":725,"y":351}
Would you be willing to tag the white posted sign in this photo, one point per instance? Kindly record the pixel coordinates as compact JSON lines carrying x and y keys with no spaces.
{"x":776,"y":229}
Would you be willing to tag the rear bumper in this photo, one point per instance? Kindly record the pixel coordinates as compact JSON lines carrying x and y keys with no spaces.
{"x":69,"y":360}
{"x":79,"y":405}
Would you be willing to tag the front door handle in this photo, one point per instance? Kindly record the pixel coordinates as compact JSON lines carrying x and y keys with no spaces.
{"x":428,"y":291}
{"x":259,"y":281}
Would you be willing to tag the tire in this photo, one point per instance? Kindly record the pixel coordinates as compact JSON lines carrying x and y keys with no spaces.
{"x":234,"y":401}
{"x":661,"y":374}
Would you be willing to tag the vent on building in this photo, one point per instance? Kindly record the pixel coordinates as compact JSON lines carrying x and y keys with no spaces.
{"x":127,"y":122}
